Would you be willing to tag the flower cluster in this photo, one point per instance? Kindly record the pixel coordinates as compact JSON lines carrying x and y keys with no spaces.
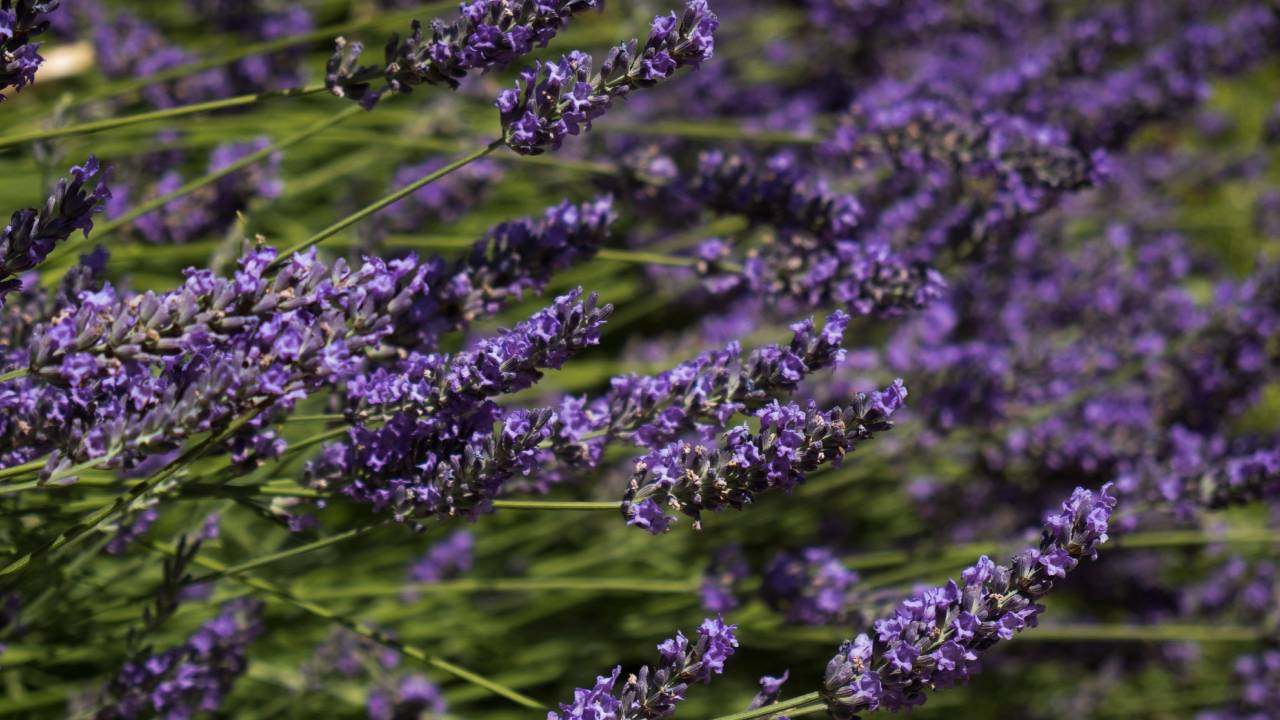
{"x":446,"y":448}
{"x":488,"y":34}
{"x":394,"y":693}
{"x":811,"y":587}
{"x":561,"y":98}
{"x":19,"y":57}
{"x":652,"y":694}
{"x":33,"y":233}
{"x":721,"y":582}
{"x":791,"y":442}
{"x":934,"y":639}
{"x":191,"y":678}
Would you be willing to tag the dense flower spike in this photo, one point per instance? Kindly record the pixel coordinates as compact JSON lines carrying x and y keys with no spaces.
{"x":32,"y":234}
{"x":651,"y":694}
{"x":791,"y":442}
{"x":446,"y":448}
{"x":188,"y":679}
{"x":701,"y":394}
{"x":934,"y":639}
{"x":561,"y":98}
{"x":20,"y":21}
{"x":489,"y":34}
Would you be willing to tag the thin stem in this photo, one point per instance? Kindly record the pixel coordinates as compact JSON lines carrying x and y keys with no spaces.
{"x":259,"y":48}
{"x":530,"y":584}
{"x":774,"y":709}
{"x":553,"y":505}
{"x":394,"y":197}
{"x":709,"y":131}
{"x":14,"y":374}
{"x":649,"y":258}
{"x":156,"y":203}
{"x":96,"y":518}
{"x":290,"y":553}
{"x":140,"y":118}
{"x":358,"y":628}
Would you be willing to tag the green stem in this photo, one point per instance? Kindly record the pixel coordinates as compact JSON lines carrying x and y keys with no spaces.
{"x":394,"y":197}
{"x":553,"y":505}
{"x":649,"y":258}
{"x":359,"y":628}
{"x":259,"y":48}
{"x":530,"y":584}
{"x":140,"y":118}
{"x":22,"y":469}
{"x":774,"y":709}
{"x":13,"y":374}
{"x":156,"y":203}
{"x":97,"y":517}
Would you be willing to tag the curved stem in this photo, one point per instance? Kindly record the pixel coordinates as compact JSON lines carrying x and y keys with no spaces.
{"x":774,"y":709}
{"x":394,"y":197}
{"x":359,"y":628}
{"x":146,"y":117}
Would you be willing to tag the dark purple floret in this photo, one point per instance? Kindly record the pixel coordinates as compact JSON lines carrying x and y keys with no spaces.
{"x":655,"y":693}
{"x":561,"y":98}
{"x":32,"y":234}
{"x":791,"y":442}
{"x":20,"y":21}
{"x":935,"y":638}
{"x":488,"y":35}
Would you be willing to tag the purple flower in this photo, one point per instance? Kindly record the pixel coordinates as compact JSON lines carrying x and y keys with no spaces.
{"x":654,"y":693}
{"x":561,"y":98}
{"x":488,"y":34}
{"x":19,"y":58}
{"x":810,"y":587}
{"x":32,"y":234}
{"x":791,"y":442}
{"x":934,"y":638}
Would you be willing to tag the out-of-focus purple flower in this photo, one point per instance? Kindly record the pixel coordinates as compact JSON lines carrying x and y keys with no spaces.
{"x":721,"y":583}
{"x":188,"y":679}
{"x":561,"y":98}
{"x":446,"y":559}
{"x":652,"y":694}
{"x":810,"y":587}
{"x":1259,"y":695}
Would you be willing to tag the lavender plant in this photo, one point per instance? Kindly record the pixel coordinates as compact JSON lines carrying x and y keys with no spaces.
{"x":239,"y":437}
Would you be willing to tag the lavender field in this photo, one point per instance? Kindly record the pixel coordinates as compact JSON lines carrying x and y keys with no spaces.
{"x":625,"y":360}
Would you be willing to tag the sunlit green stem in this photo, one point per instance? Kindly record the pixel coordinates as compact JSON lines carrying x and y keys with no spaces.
{"x":22,"y":469}
{"x":168,"y":114}
{"x":394,"y":197}
{"x":775,"y":709}
{"x":13,"y":374}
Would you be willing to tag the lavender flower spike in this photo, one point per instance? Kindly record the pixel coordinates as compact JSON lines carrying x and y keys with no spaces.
{"x":490,"y":34}
{"x":649,"y":695}
{"x":19,"y":58}
{"x":562,"y":98}
{"x":791,"y":441}
{"x":32,"y":234}
{"x":934,"y":639}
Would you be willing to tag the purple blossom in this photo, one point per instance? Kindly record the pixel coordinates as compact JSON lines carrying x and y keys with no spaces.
{"x":723,"y":578}
{"x":791,"y":442}
{"x":561,"y":98}
{"x":651,"y":694}
{"x":488,"y":34}
{"x":32,"y":234}
{"x":935,"y":638}
{"x":811,"y":587}
{"x":19,"y":57}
